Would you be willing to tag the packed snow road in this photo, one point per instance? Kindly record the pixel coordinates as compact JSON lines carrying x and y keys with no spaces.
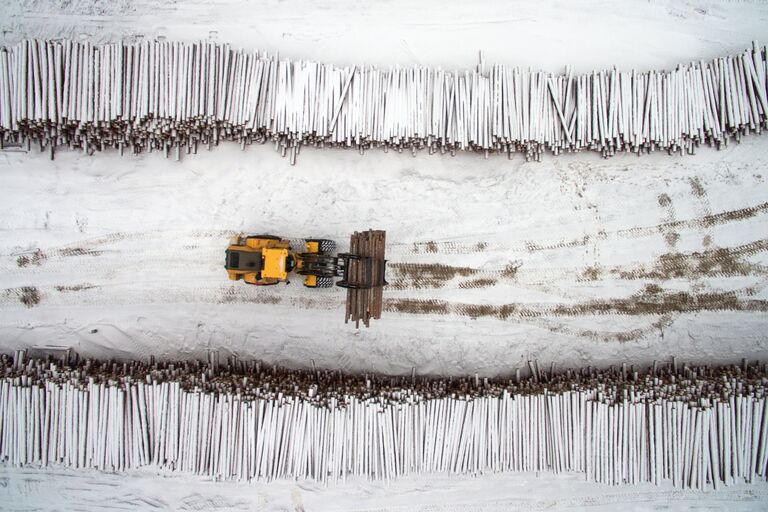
{"x":576,"y":260}
{"x":45,"y":489}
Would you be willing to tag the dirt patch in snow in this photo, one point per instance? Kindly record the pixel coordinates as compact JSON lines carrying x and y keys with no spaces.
{"x":29,"y":296}
{"x":36,"y":258}
{"x":697,"y":188}
{"x":510,"y":271}
{"x":592,"y":273}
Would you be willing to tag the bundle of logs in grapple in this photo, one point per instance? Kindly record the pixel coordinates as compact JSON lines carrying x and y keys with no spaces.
{"x":172,"y":97}
{"x":694,"y":426}
{"x":365,"y":302}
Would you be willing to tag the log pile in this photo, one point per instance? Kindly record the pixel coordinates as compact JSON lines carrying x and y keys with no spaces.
{"x":697,"y":427}
{"x":365,"y":303}
{"x":173,"y":97}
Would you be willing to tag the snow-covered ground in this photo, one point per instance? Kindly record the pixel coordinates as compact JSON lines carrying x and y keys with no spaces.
{"x":62,"y":489}
{"x":575,"y":260}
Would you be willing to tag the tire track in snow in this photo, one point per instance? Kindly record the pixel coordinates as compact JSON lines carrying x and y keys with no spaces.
{"x":86,"y":294}
{"x":414,"y":276}
{"x":710,"y":262}
{"x":657,"y":305}
{"x":96,"y":246}
{"x":656,"y":308}
{"x":666,"y":228}
{"x":558,"y":327}
{"x":653,"y":500}
{"x":665,"y":303}
{"x":166,"y":246}
{"x":704,"y":209}
{"x":669,"y":226}
{"x":719,"y":262}
{"x":29,"y":296}
{"x":99,"y":256}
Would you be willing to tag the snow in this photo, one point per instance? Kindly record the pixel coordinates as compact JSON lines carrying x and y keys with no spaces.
{"x":586,"y":34}
{"x":48,"y":489}
{"x":133,"y":246}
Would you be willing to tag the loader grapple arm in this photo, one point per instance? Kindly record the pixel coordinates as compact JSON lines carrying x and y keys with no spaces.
{"x":356,"y":272}
{"x":361,"y":272}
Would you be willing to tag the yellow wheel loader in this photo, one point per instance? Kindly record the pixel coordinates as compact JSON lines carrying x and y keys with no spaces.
{"x":264,"y":260}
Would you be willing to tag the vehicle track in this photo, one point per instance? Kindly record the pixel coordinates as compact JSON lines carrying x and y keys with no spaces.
{"x":655,"y":500}
{"x":668,"y":226}
{"x":93,"y":257}
{"x":718,"y":262}
{"x":126,"y":268}
{"x":653,"y":300}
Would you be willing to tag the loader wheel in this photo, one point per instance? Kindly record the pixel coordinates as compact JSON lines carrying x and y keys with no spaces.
{"x":324,"y":282}
{"x":325,"y":246}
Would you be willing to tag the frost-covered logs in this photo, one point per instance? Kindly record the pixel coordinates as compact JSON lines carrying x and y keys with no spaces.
{"x":169,"y":95}
{"x":697,"y":427}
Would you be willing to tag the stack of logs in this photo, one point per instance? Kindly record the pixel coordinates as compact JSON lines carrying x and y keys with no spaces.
{"x":172,"y":97}
{"x":365,"y":303}
{"x":694,"y":427}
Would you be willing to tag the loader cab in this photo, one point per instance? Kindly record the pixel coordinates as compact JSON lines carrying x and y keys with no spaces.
{"x":244,"y":261}
{"x":265,"y":266}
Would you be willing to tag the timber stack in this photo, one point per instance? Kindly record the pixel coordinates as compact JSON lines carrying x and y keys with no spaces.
{"x":691,"y":427}
{"x":173,"y":97}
